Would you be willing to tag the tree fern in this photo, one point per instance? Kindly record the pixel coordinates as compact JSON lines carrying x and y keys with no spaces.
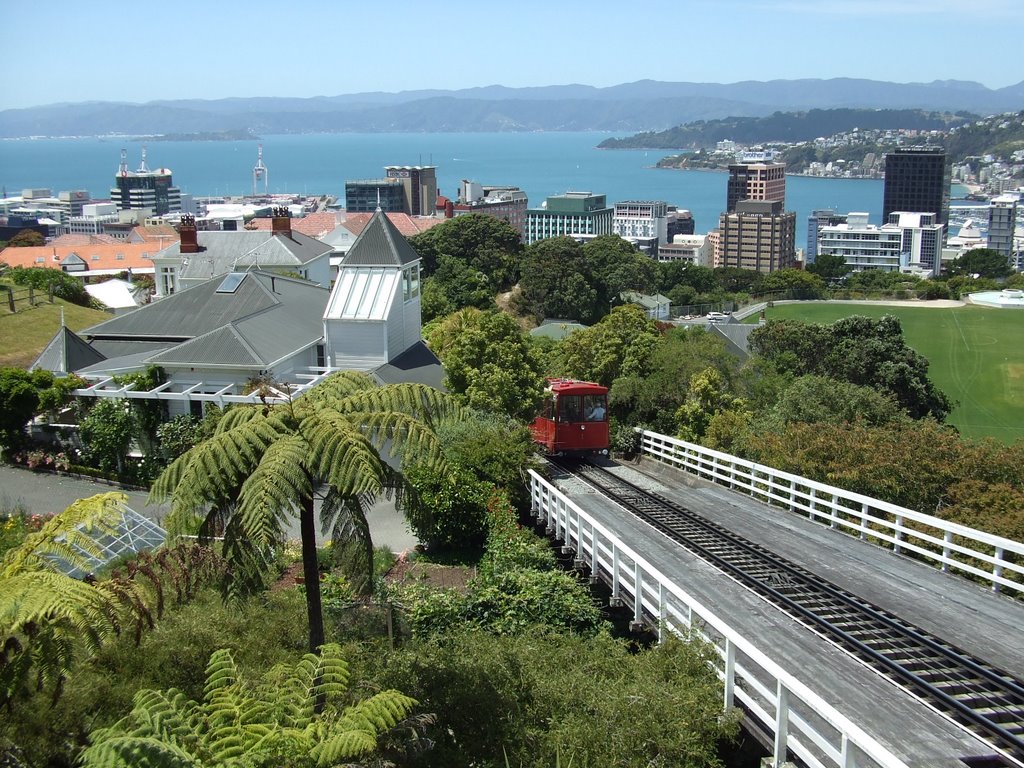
{"x":241,"y":724}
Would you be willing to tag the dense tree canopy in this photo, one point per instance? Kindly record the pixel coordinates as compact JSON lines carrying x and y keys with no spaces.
{"x":24,"y":394}
{"x":483,"y":243}
{"x":619,"y":345}
{"x":829,"y":266}
{"x":857,"y":350}
{"x":617,"y":266}
{"x":557,"y":282}
{"x":803,"y":285}
{"x":488,"y":362}
{"x":984,"y":262}
{"x":652,"y":397}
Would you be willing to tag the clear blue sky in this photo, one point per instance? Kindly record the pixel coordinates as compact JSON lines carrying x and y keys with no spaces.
{"x":140,"y":51}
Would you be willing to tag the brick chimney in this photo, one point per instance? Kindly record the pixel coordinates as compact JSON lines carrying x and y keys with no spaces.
{"x":189,"y":235}
{"x":281,"y":222}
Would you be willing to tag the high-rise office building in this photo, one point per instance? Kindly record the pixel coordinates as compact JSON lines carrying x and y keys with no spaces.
{"x":143,"y":188}
{"x":419,"y":183}
{"x":758,"y":235}
{"x":1002,"y":219}
{"x":755,"y":181}
{"x":917,"y":180}
{"x":367,"y":195}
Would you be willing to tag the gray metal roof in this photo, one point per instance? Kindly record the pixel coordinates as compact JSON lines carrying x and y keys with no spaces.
{"x":266,"y":319}
{"x":380,"y":244}
{"x":66,"y":352}
{"x":417,"y":365}
{"x":736,"y":335}
{"x":233,"y":251}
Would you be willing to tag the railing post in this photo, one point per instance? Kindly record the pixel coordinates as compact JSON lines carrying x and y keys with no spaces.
{"x":10,"y":299}
{"x":997,"y":568}
{"x":864,"y":521}
{"x":898,"y":535}
{"x":792,"y":495}
{"x":781,"y":725}
{"x":593,"y":551}
{"x":615,"y":570}
{"x":638,"y":590}
{"x":730,"y":675}
{"x":946,"y":551}
{"x":833,"y":522}
{"x":662,"y":612}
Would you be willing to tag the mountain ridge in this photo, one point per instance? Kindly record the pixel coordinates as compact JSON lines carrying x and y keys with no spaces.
{"x":643,"y":105}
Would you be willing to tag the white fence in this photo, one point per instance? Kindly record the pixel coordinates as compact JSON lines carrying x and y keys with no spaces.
{"x":993,"y":559}
{"x":802,"y":722}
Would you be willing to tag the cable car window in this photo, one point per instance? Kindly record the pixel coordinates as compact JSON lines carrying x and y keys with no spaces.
{"x":595,"y":408}
{"x":569,"y":408}
{"x":547,"y":409}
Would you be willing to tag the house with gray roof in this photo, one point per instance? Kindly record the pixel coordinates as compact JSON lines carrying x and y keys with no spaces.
{"x":656,"y":306}
{"x":217,"y":339}
{"x":200,"y":256}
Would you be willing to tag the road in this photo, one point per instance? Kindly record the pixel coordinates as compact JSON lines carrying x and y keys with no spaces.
{"x":41,"y":492}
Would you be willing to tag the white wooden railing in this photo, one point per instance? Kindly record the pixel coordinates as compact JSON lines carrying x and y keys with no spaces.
{"x":800,"y":720}
{"x":952,"y":547}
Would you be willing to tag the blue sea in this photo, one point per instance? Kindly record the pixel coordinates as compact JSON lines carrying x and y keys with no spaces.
{"x":542,"y":164}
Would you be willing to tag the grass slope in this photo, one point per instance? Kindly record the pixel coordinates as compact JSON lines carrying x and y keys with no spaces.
{"x":26,"y":333}
{"x":976,"y":357}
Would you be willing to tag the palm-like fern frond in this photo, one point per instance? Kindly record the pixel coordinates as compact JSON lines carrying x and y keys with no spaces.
{"x":60,"y":537}
{"x":277,"y":485}
{"x":241,"y":724}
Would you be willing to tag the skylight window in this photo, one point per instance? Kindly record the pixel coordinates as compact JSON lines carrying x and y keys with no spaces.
{"x":231,"y":282}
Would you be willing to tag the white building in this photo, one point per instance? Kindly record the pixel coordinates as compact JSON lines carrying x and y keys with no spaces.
{"x":641,"y":219}
{"x":906,"y":239}
{"x":94,"y":217}
{"x":692,"y":249}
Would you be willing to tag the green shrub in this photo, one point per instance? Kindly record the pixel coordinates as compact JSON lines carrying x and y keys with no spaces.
{"x":447,"y":510}
{"x":267,"y":630}
{"x":545,"y":697}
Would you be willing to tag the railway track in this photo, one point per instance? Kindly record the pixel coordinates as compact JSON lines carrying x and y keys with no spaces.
{"x":980,"y":697}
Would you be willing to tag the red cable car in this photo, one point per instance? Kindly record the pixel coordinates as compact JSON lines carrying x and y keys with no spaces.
{"x":573,"y":418}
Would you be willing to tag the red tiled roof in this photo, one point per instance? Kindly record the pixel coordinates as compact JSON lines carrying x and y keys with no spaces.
{"x":406,"y":224}
{"x":158,"y":233}
{"x":95,"y":256}
{"x":83,"y":239}
{"x":314,"y":225}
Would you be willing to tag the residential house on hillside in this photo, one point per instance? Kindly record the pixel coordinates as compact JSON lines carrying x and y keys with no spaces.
{"x":218,"y":340}
{"x":656,"y":306}
{"x":200,"y":256}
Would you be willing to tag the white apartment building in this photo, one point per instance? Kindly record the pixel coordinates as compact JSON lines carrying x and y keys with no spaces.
{"x":641,"y":219}
{"x":906,"y":240}
{"x":94,"y":217}
{"x":691,"y":249}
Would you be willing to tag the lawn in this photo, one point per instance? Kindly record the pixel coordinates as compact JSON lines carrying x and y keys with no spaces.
{"x":976,"y":356}
{"x":26,"y":333}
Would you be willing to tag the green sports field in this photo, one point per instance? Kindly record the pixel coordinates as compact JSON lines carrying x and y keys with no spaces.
{"x":976,"y":357}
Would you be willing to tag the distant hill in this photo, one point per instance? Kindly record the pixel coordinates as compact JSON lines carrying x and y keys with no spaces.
{"x":787,"y":126}
{"x":646,"y":105}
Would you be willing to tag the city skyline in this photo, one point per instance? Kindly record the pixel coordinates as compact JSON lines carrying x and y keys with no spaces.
{"x":116,"y":51}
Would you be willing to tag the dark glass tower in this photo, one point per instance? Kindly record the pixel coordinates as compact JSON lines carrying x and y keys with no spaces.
{"x":917,"y":180}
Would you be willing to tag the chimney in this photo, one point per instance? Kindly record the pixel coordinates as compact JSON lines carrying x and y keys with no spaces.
{"x":281,"y":222}
{"x":189,"y":235}
{"x":449,"y":209}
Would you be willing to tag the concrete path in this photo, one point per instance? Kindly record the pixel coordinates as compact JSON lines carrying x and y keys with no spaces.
{"x":42,"y":492}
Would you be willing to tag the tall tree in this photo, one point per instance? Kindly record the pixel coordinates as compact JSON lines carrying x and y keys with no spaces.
{"x":618,"y":266}
{"x":557,"y":281}
{"x":483,"y":243}
{"x":983,"y":262}
{"x":489,"y":363}
{"x":264,"y":463}
{"x":829,"y":266}
{"x":619,"y":345}
{"x":857,"y":350}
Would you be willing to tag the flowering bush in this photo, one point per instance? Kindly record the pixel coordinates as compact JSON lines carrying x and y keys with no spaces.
{"x":44,"y":460}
